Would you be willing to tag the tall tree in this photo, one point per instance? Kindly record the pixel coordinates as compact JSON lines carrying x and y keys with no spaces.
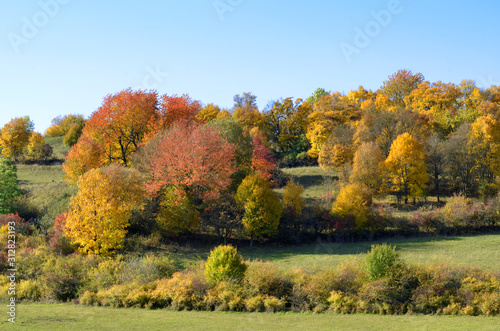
{"x":399,"y":85}
{"x":100,"y":212}
{"x":367,"y":168}
{"x":406,"y":167}
{"x":121,"y":123}
{"x":191,"y":158}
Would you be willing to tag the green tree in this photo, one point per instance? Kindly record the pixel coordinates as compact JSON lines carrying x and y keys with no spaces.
{"x":262,"y":206}
{"x":9,"y":189}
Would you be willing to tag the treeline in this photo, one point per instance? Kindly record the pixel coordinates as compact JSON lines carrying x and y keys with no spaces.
{"x":148,"y":163}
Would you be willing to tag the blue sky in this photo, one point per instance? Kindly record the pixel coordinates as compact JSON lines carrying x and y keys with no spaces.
{"x":63,"y":56}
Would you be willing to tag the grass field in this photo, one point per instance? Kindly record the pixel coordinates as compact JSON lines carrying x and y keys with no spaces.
{"x":72,"y":317}
{"x":465,"y":250}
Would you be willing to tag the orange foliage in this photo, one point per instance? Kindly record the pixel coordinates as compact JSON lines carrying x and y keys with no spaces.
{"x":189,"y":157}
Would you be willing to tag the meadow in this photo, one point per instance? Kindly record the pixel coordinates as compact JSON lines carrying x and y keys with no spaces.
{"x":60,"y":316}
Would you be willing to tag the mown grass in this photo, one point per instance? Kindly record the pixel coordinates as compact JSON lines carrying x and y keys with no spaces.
{"x":74,"y":317}
{"x":466,"y":250}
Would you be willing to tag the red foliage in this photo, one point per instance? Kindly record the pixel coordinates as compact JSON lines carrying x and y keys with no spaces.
{"x":122,"y":121}
{"x":174,"y":108}
{"x":189,"y":157}
{"x":262,"y":160}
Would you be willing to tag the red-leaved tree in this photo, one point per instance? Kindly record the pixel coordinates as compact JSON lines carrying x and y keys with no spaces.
{"x":188,"y":157}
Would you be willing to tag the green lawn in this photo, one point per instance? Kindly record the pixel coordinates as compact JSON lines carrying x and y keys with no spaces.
{"x":73,"y":317}
{"x":471,"y":250}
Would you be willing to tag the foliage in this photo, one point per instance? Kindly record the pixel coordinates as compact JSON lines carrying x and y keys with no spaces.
{"x":74,"y":133}
{"x":190,"y":158}
{"x":262,"y":206}
{"x":101,"y":210}
{"x":292,"y":200}
{"x":177,"y":213}
{"x":9,"y":188}
{"x":367,"y":167}
{"x":399,"y":85}
{"x":15,"y":136}
{"x":224,"y":264}
{"x":61,"y":125}
{"x":382,"y":261}
{"x":406,"y":167}
{"x":354,"y":199}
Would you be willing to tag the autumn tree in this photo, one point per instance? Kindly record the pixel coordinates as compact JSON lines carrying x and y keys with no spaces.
{"x":367,"y":167}
{"x":62,"y":124}
{"x":262,"y":206}
{"x":9,"y":188}
{"x":399,"y":85}
{"x":406,"y":167}
{"x":176,"y":108}
{"x":34,"y":149}
{"x":87,"y":154}
{"x":382,"y":127}
{"x":329,"y":111}
{"x":263,"y":162}
{"x":246,"y":112}
{"x":191,"y":158}
{"x":293,"y":205}
{"x":208,"y":113}
{"x":74,"y":133}
{"x":15,"y":136}
{"x":354,"y":199}
{"x":100,"y":212}
{"x":121,"y":123}
{"x":439,"y":102}
{"x":338,"y":148}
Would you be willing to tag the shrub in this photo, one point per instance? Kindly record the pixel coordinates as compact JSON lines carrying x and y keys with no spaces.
{"x":30,"y":290}
{"x":224,"y":264}
{"x":187,"y":290}
{"x":145,"y":269}
{"x":381,"y":261}
{"x":264,"y":278}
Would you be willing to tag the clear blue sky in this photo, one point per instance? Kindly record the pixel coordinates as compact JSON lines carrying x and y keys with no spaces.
{"x":85,"y":49}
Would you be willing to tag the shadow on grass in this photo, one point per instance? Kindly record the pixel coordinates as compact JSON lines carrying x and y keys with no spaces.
{"x":325,"y":248}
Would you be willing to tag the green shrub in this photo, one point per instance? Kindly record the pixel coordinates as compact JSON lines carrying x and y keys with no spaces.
{"x":145,"y":269}
{"x":224,"y":264}
{"x":382,"y":260}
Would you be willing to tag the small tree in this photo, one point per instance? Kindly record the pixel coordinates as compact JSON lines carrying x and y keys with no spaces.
{"x":224,"y":264}
{"x":9,"y":189}
{"x":35,"y":150}
{"x":15,"y":136}
{"x":382,"y":261}
{"x":354,"y":199}
{"x":262,"y":206}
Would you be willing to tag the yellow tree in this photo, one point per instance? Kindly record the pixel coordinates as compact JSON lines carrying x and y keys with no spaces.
{"x":35,"y":147}
{"x":354,"y":199}
{"x":208,"y":113}
{"x":338,"y":148}
{"x":292,"y":199}
{"x":367,"y":169}
{"x":15,"y":136}
{"x":406,"y":167}
{"x":100,"y":212}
